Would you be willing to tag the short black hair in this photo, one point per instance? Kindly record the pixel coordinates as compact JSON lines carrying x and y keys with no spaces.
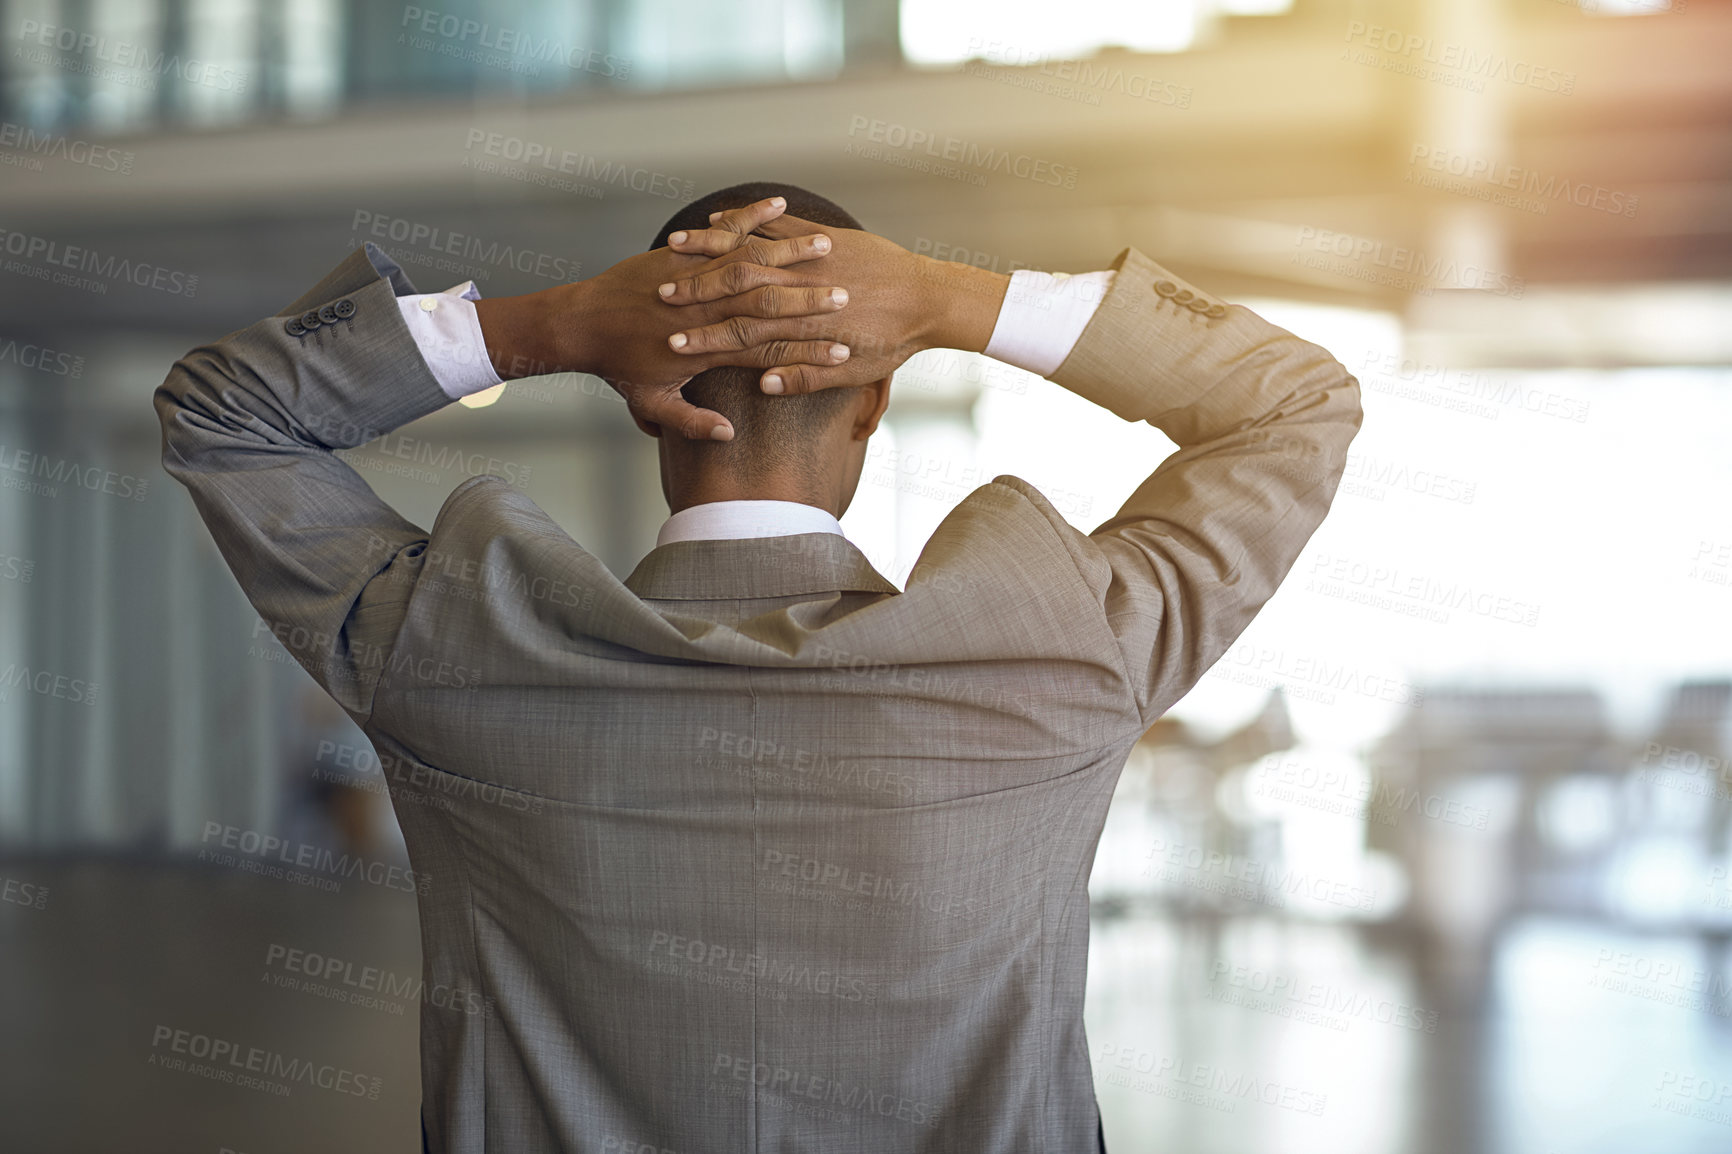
{"x":770,"y":432}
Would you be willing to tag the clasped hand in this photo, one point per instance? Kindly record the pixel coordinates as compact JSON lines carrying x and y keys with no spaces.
{"x":813,"y":307}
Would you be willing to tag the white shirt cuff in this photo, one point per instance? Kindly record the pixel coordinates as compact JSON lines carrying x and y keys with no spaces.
{"x":448,"y":333}
{"x":1043,"y":316}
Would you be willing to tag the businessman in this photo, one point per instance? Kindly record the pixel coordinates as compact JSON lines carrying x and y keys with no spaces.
{"x":752,"y":851}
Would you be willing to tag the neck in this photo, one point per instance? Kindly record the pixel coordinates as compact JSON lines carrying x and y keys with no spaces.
{"x":773,"y":488}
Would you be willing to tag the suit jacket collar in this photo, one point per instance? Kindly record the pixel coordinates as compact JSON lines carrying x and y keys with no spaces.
{"x":749,"y":567}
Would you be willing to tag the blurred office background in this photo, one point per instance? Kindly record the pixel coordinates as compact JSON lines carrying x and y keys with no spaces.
{"x":1436,"y":860}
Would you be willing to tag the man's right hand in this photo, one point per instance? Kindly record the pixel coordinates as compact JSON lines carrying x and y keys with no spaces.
{"x":899,"y":304}
{"x":616,"y":326}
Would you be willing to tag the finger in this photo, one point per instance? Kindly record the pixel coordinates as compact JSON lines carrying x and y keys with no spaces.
{"x":780,"y":253}
{"x":721,"y":243}
{"x":791,"y":379}
{"x":672,"y":411}
{"x":728,"y":229}
{"x":773,"y":300}
{"x":772,"y":353}
{"x":736,"y":333}
{"x":746,"y":269}
{"x":787,"y":225}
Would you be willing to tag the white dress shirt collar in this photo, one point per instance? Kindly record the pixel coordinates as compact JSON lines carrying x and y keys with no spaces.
{"x":727,"y":520}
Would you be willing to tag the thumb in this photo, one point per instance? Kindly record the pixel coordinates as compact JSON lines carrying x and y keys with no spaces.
{"x":672,"y":411}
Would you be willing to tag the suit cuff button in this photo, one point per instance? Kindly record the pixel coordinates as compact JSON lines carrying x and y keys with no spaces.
{"x":1166,"y":288}
{"x":345,"y":308}
{"x":294,"y":327}
{"x":310,"y":320}
{"x":328,"y":314}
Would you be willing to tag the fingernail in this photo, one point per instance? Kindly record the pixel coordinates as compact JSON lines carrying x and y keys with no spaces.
{"x":821,"y":243}
{"x":713,"y":216}
{"x":773,"y":383}
{"x":678,"y":341}
{"x":721,"y":433}
{"x":839,"y":296}
{"x":778,"y":202}
{"x":839,"y":352}
{"x":678,"y":237}
{"x":666,"y":290}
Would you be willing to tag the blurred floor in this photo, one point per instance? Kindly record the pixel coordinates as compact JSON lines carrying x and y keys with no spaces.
{"x":1233,"y":1035}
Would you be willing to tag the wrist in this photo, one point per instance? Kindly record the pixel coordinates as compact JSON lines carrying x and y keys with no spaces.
{"x":522,"y":337}
{"x":962,"y":303}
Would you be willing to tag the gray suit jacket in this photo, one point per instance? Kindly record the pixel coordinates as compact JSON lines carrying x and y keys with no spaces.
{"x":751,"y":851}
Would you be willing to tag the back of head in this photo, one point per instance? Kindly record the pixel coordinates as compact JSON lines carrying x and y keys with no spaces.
{"x":771,"y":433}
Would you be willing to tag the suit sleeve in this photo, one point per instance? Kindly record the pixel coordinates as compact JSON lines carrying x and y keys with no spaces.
{"x":249,"y":423}
{"x":1262,"y":421}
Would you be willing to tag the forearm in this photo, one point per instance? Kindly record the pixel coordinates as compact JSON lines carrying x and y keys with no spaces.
{"x":963,"y":304}
{"x":535,"y":334}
